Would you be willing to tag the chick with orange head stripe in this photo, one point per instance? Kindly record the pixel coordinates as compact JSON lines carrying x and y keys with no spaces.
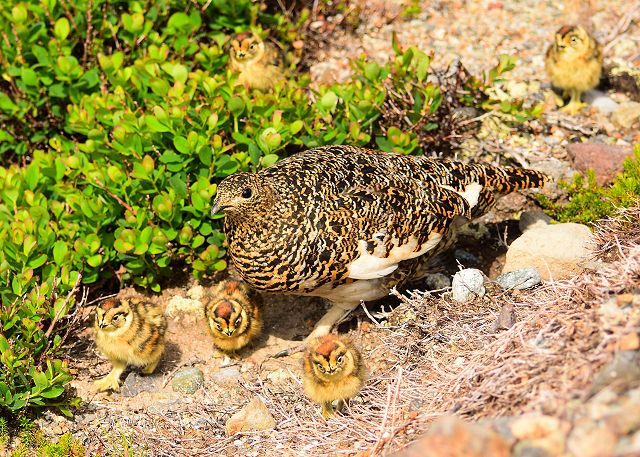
{"x":333,"y":370}
{"x":234,"y":315}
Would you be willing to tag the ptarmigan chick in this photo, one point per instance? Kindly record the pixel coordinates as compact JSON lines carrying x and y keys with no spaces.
{"x":257,"y":63}
{"x":333,"y":370}
{"x":234,"y":315}
{"x":574,"y":64}
{"x":347,"y":224}
{"x":129,"y":331}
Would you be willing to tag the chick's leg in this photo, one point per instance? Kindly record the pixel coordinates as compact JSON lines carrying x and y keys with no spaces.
{"x":112,"y":380}
{"x":336,"y":313}
{"x":574,"y":105}
{"x":151,"y":367}
{"x":327,"y":409}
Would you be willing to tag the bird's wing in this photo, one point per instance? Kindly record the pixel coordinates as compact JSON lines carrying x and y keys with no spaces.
{"x":393,"y":223}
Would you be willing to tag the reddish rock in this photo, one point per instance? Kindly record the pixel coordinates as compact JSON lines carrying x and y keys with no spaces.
{"x":605,"y":159}
{"x":453,"y":437}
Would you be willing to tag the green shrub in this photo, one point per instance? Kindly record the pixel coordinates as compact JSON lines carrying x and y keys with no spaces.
{"x":589,"y":202}
{"x":117,"y":121}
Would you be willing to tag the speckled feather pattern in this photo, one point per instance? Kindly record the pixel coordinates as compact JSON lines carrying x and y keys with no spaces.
{"x":317,"y":211}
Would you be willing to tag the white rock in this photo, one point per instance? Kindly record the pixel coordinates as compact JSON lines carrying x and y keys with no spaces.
{"x":467,"y":284}
{"x":554,"y":250}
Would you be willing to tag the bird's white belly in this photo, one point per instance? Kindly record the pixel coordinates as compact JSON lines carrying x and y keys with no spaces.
{"x":355,"y":292}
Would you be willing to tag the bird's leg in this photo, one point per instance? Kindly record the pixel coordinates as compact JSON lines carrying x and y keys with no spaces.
{"x":560,"y":98}
{"x":112,"y":380}
{"x":151,"y":367}
{"x":327,"y":409}
{"x":339,"y":405}
{"x":574,"y":105}
{"x":335,"y":314}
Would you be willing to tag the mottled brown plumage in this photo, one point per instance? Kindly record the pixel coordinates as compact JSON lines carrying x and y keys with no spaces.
{"x":574,"y":64}
{"x":234,"y":315}
{"x":347,"y":224}
{"x":257,"y":63}
{"x":129,"y":331}
{"x":333,"y":370}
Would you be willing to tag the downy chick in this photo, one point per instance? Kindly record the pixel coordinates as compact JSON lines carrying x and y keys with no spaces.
{"x":129,"y":331}
{"x":257,"y":63}
{"x":234,"y":315}
{"x":574,"y":64}
{"x":333,"y":370}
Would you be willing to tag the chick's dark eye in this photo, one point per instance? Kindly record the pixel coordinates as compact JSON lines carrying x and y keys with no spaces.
{"x":246,"y":193}
{"x":340,"y":359}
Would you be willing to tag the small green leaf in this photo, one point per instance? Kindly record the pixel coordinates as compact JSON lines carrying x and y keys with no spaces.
{"x":181,"y":144}
{"x":61,"y":28}
{"x":29,"y":77}
{"x":236,"y":105}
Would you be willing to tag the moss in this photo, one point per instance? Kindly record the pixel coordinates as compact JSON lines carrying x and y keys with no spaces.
{"x":589,"y":202}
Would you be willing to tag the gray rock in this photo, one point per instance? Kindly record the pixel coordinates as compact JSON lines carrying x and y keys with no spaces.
{"x":135,"y":383}
{"x":554,"y":250}
{"x":530,"y":219}
{"x":525,"y":449}
{"x":254,"y":416}
{"x":519,"y":279}
{"x":556,"y":169}
{"x":620,"y":374}
{"x":600,"y":101}
{"x":437,"y":281}
{"x":467,"y":284}
{"x":465,"y":258}
{"x":188,"y":380}
{"x":227,"y":375}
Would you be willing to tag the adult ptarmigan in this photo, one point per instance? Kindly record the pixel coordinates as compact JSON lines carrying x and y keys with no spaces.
{"x":347,"y":224}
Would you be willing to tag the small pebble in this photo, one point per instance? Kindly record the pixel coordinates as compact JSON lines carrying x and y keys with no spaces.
{"x":467,"y":284}
{"x":188,"y":380}
{"x":523,"y":278}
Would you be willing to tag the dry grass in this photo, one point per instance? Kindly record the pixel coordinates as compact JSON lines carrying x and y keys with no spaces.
{"x":431,"y":356}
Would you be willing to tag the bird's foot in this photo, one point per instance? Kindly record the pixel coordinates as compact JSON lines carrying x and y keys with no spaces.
{"x":327,"y":410}
{"x":149,"y":369}
{"x":109,"y":382}
{"x":572,"y":108}
{"x":290,"y":351}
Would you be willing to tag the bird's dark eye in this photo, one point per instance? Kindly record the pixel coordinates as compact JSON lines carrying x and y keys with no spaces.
{"x":340,"y":359}
{"x":237,"y":322}
{"x":320,"y":367}
{"x":246,"y":193}
{"x":253,"y":45}
{"x":218,"y":326}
